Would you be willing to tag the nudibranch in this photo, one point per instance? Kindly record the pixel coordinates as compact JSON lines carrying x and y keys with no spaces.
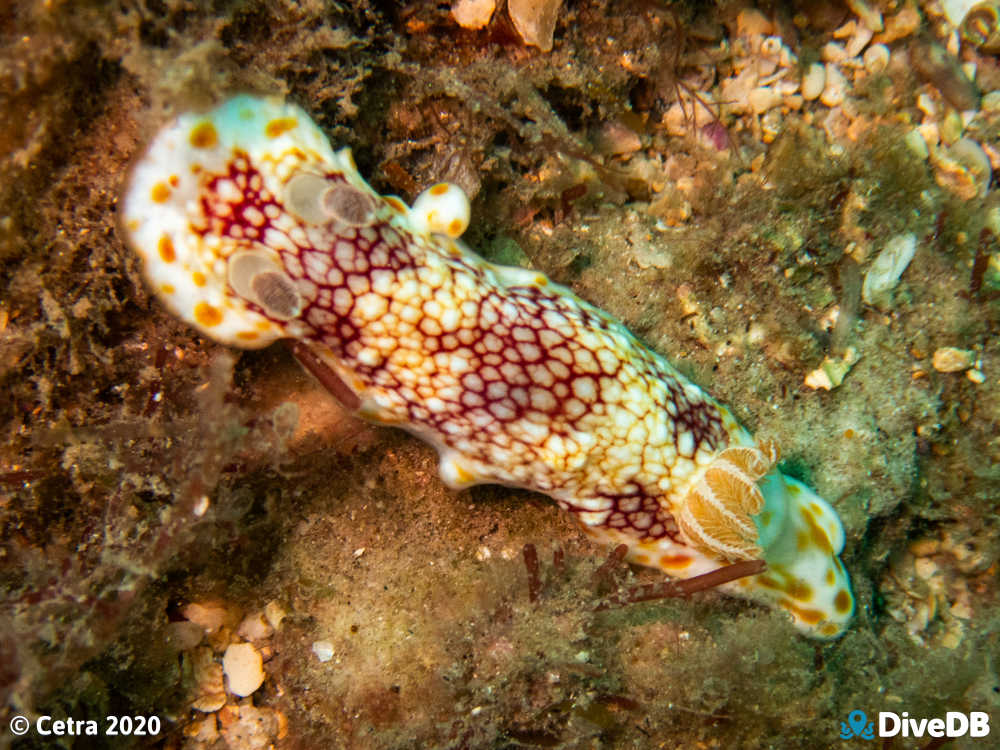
{"x":252,"y":228}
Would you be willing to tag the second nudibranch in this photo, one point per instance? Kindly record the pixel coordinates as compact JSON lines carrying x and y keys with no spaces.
{"x":252,"y":229}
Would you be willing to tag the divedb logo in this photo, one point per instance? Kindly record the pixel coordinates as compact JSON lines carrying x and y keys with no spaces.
{"x":891,"y":724}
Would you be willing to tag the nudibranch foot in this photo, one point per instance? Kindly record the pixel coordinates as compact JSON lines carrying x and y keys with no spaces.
{"x":252,"y":228}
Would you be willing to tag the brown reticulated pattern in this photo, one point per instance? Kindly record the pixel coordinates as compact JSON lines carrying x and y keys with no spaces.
{"x":527,"y":383}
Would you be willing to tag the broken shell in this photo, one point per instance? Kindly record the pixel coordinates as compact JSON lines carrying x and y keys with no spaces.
{"x":208,"y":691}
{"x":950,"y":359}
{"x":831,"y":372}
{"x":535,"y":21}
{"x":900,"y":25}
{"x":858,"y":40}
{"x":876,"y":58}
{"x":473,"y":14}
{"x":834,"y":52}
{"x":774,"y":50}
{"x":889,"y":265}
{"x":964,"y":168}
{"x":981,"y":26}
{"x":951,"y":127}
{"x":956,"y":10}
{"x":835,"y":89}
{"x":813,"y":81}
{"x":868,"y":15}
{"x":763,"y":98}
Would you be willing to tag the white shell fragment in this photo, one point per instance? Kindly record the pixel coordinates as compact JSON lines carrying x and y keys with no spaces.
{"x":323,"y":650}
{"x":885,"y":272}
{"x":831,"y":372}
{"x":244,"y":668}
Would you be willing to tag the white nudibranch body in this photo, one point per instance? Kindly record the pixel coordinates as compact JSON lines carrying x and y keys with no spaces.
{"x":252,"y":228}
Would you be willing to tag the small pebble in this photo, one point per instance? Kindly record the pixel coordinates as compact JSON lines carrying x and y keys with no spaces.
{"x":925,"y":567}
{"x":836,"y":87}
{"x":244,"y":668}
{"x":751,"y":22}
{"x":763,"y":98}
{"x":834,"y":52}
{"x":900,"y":25}
{"x":991,"y":102}
{"x":813,"y":81}
{"x":950,"y":359}
{"x":869,"y":16}
{"x":876,"y":58}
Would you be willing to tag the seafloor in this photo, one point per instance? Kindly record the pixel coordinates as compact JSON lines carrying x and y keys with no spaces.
{"x":163,"y":497}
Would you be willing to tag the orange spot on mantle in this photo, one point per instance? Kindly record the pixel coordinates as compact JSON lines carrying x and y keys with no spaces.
{"x":204,"y":135}
{"x":207,"y":315}
{"x":160,"y":193}
{"x":440,"y":189}
{"x":166,"y":249}
{"x":819,"y":537}
{"x":280,"y":126}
